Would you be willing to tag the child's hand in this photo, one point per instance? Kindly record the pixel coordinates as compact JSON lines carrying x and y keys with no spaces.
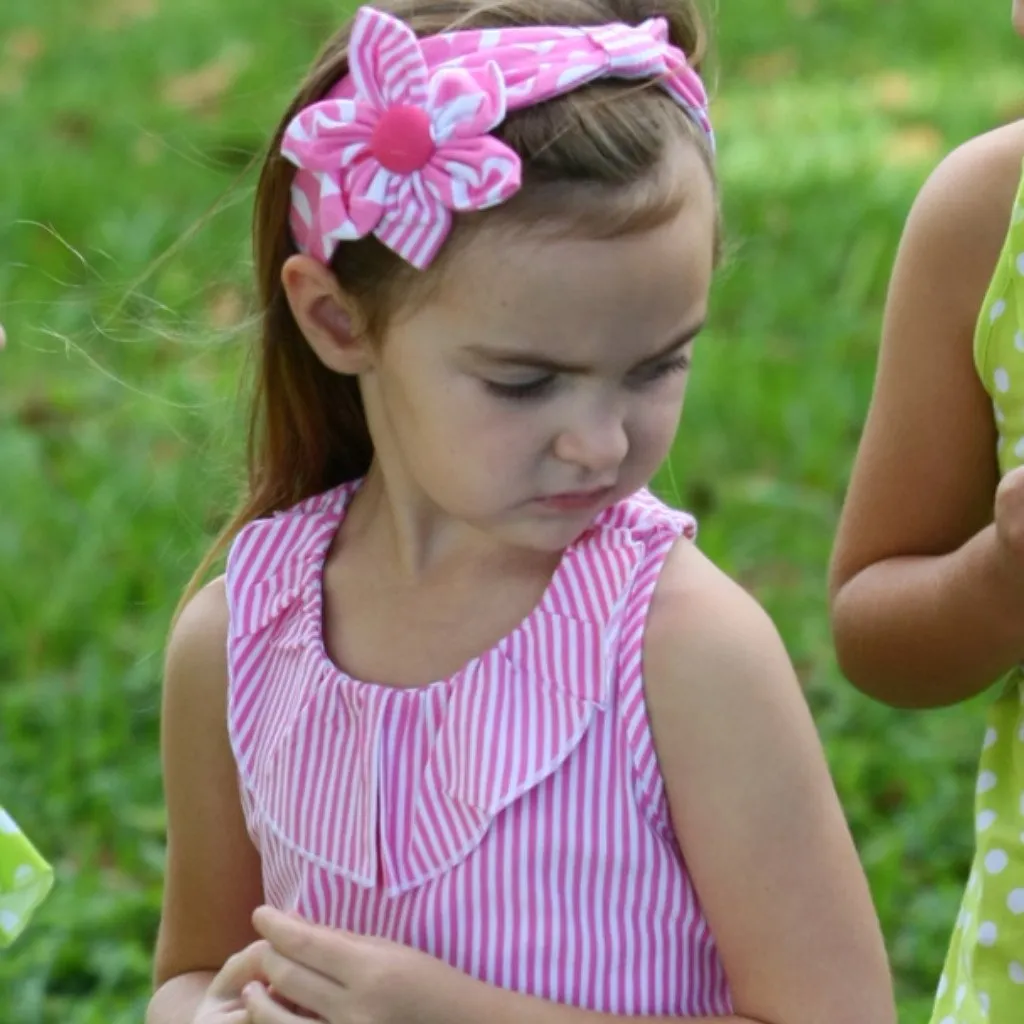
{"x":1009,"y":515}
{"x":341,"y":978}
{"x":223,"y":1003}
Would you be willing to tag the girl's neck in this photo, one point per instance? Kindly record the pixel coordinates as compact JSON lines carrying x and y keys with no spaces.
{"x":408,"y":538}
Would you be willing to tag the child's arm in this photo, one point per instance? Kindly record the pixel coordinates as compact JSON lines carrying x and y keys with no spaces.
{"x":926,"y":609}
{"x":754,"y":808}
{"x":758,"y":821}
{"x":213,"y":880}
{"x":342,"y":977}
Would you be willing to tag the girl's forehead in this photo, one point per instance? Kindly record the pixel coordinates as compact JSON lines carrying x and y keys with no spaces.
{"x":544,"y":276}
{"x":585,"y":254}
{"x":580,"y":301}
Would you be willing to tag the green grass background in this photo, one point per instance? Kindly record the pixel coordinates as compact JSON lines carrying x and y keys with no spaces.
{"x":122,"y":122}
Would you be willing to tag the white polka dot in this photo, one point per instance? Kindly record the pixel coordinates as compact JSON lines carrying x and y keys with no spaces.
{"x":990,"y":738}
{"x":943,"y":985}
{"x":984,"y":1002}
{"x":985,"y":820}
{"x":1017,"y":973}
{"x":23,"y":874}
{"x":9,"y":920}
{"x":1018,"y":450}
{"x":948,"y":1020}
{"x":1020,"y":263}
{"x":1002,"y":380}
{"x":1015,"y":901}
{"x":961,"y":994}
{"x":986,"y":781}
{"x":1000,"y":416}
{"x":997,"y":310}
{"x":988,"y":933}
{"x":7,"y":823}
{"x":996,"y":861}
{"x":1018,"y":341}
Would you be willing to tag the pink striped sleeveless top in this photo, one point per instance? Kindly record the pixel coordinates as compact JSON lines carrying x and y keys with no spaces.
{"x":510,"y":820}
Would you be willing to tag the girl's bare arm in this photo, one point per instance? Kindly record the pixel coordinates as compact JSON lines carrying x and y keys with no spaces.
{"x":213,"y":879}
{"x":755,"y":810}
{"x":923,"y":610}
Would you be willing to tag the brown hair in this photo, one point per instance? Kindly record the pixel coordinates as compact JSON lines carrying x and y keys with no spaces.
{"x":592,"y":163}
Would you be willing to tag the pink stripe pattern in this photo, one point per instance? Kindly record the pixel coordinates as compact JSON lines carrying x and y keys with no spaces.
{"x":511,"y":820}
{"x":403,"y":140}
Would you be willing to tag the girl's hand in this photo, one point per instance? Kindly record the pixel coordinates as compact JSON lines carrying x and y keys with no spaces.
{"x":341,"y":978}
{"x":1009,"y":516}
{"x":223,"y":1003}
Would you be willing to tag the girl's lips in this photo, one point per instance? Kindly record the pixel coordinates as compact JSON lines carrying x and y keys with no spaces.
{"x":574,"y":501}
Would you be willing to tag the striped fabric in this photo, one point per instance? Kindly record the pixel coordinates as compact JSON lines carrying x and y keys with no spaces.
{"x":403,"y":141}
{"x":510,"y":820}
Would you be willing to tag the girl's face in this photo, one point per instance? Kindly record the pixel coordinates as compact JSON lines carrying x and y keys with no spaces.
{"x":544,"y":379}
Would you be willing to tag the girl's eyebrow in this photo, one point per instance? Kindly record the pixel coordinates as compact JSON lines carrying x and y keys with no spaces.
{"x":539,"y":361}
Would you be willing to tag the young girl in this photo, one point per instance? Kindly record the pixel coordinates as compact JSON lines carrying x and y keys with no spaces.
{"x":928,"y":571}
{"x":469,"y":712}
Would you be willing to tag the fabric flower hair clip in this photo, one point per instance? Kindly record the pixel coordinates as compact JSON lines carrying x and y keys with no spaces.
{"x":403,"y":141}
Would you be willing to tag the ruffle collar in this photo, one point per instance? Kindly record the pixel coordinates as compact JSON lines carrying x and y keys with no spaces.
{"x":507,"y":720}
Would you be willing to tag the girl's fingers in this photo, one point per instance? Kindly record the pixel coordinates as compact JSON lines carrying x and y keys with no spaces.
{"x":261,"y":1009}
{"x":235,"y":1017}
{"x":289,"y":1005}
{"x":306,"y":988}
{"x":238,"y":970}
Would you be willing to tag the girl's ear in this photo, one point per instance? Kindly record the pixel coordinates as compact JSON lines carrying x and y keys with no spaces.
{"x":326,"y":316}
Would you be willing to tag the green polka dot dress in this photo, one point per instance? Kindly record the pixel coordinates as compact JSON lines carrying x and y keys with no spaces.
{"x":983,"y":979}
{"x":25,"y":880}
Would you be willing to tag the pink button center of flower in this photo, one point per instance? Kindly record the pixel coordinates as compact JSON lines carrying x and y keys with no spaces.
{"x":401,"y":139}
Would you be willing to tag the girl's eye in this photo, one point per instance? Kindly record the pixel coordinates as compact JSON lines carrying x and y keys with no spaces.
{"x":526,"y":390}
{"x":541,"y":386}
{"x":659,"y":371}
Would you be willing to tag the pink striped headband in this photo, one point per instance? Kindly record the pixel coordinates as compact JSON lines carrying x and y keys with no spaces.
{"x":402,"y":141}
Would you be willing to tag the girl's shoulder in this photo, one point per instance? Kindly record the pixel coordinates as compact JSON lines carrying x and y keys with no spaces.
{"x":198,"y":633}
{"x":713,"y":656}
{"x":995,"y":151}
{"x":703,"y":623}
{"x":990,"y":163}
{"x":959,"y":219}
{"x":710,"y":648}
